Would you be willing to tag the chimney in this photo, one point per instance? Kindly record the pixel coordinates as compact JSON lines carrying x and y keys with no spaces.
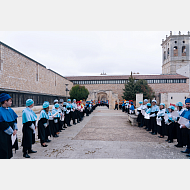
{"x":170,"y":33}
{"x":179,"y":33}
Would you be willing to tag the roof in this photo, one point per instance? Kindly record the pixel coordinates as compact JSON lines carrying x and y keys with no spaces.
{"x":125,"y":77}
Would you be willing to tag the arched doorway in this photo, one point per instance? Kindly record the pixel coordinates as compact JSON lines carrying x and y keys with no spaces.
{"x":102,"y":96}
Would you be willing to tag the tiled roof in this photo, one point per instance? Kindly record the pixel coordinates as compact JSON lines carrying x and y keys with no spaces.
{"x":124,"y":77}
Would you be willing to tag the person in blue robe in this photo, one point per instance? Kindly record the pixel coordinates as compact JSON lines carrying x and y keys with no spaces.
{"x":29,"y":128}
{"x":8,"y":127}
{"x":43,"y":125}
{"x":170,"y":123}
{"x":127,"y":107}
{"x":139,"y":117}
{"x":74,"y":112}
{"x":160,"y":116}
{"x":56,"y":117}
{"x":69,"y":108}
{"x":148,"y":110}
{"x":123,"y":106}
{"x":181,"y":132}
{"x":153,"y":115}
{"x":132,"y":108}
{"x":186,"y":115}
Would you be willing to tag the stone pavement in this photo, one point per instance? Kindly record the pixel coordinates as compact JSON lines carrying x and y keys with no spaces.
{"x":104,"y":134}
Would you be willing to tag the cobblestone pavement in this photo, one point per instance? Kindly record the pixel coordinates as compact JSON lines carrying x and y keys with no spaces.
{"x":104,"y":134}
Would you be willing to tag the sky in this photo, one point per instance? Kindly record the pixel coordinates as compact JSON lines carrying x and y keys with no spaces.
{"x":89,"y":53}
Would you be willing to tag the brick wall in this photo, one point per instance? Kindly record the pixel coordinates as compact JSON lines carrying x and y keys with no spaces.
{"x":19,"y":73}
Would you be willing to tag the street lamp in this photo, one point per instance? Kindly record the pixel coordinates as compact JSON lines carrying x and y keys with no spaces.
{"x":66,"y":90}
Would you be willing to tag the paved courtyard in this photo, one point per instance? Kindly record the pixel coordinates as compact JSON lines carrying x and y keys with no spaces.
{"x":103,"y":134}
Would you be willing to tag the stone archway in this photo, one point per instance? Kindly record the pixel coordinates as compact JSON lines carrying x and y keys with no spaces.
{"x":104,"y":95}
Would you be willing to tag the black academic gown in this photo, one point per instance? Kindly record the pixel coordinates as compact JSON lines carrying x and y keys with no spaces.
{"x":28,"y":136}
{"x":57,"y":124}
{"x":6,"y":142}
{"x":43,"y":132}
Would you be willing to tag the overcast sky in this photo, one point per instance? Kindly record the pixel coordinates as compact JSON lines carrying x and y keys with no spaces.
{"x":89,"y":53}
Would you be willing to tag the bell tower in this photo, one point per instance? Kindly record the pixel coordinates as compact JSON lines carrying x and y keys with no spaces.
{"x":176,"y":54}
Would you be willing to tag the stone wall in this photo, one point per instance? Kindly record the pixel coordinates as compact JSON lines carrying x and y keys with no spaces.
{"x":157,"y":88}
{"x":18,"y":72}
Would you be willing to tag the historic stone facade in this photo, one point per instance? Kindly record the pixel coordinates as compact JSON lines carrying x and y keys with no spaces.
{"x":21,"y":73}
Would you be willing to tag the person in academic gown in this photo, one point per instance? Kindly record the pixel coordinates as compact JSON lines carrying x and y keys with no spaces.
{"x":170,"y":122}
{"x":160,"y":116}
{"x":74,"y":115}
{"x":29,"y":128}
{"x":132,"y":109}
{"x":62,"y":109}
{"x":181,"y":132}
{"x":186,"y":115}
{"x":43,"y":125}
{"x":8,"y":127}
{"x":127,"y":107}
{"x":147,"y":121}
{"x":153,"y":115}
{"x":123,"y":106}
{"x":69,"y":108}
{"x":139,"y":112}
{"x":56,"y":117}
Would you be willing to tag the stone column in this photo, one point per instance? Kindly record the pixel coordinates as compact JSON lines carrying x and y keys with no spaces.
{"x":139,"y":97}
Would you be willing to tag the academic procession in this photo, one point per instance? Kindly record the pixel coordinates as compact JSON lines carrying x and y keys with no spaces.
{"x":50,"y":123}
{"x":172,"y":122}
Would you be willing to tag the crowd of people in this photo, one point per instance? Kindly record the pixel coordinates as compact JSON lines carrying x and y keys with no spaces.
{"x":50,"y":122}
{"x":172,"y":122}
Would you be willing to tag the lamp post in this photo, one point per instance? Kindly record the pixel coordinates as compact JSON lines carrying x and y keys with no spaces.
{"x":66,"y":90}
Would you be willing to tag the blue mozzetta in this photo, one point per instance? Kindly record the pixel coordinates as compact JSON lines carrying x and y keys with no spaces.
{"x":7,"y":114}
{"x":28,"y":115}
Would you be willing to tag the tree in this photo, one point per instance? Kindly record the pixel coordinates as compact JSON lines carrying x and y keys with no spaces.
{"x":79,"y":92}
{"x":134,"y":87}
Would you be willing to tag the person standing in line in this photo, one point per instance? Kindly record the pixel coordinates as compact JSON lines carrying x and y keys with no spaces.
{"x":55,"y":102}
{"x":70,"y":110}
{"x":186,"y":115}
{"x":62,"y":108}
{"x":144,"y":107}
{"x":75,"y":116}
{"x":160,"y":116}
{"x":170,"y":124}
{"x":43,"y":125}
{"x":116,"y":105}
{"x":29,"y":128}
{"x":56,"y":118}
{"x":153,"y":115}
{"x":181,"y":132}
{"x":131,"y":108}
{"x":139,"y":117}
{"x":8,"y":127}
{"x":148,"y":125}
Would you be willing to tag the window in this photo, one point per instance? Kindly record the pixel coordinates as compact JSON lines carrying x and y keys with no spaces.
{"x":168,"y":52}
{"x":175,"y":51}
{"x":164,"y":55}
{"x":36,"y":72}
{"x":183,"y":51}
{"x":175,"y":42}
{"x":183,"y":41}
{"x":171,"y":97}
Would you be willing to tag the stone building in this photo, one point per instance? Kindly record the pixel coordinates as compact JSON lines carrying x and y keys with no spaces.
{"x":23,"y":78}
{"x":159,"y":83}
